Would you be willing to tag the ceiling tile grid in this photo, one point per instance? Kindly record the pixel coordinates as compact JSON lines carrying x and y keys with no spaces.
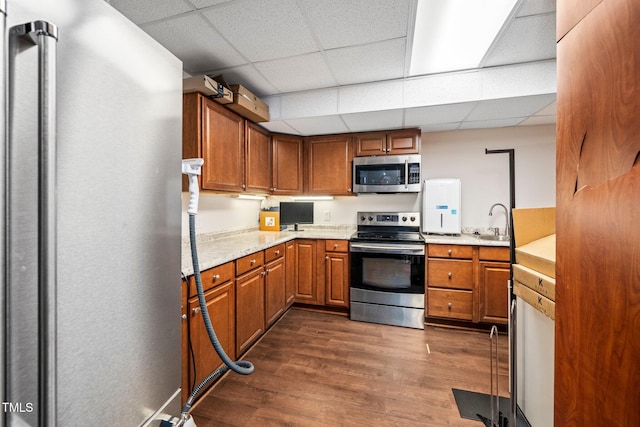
{"x":326,"y":65}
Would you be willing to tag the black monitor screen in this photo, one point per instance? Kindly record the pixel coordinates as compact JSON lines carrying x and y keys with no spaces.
{"x":296,"y":213}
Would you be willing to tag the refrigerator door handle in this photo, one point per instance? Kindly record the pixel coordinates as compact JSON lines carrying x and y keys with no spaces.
{"x":44,"y":35}
{"x":3,"y":201}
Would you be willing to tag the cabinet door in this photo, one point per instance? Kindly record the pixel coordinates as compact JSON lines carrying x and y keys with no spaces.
{"x":222,"y":147}
{"x":274,"y":288}
{"x":221,"y":307}
{"x":291,"y":269}
{"x":306,"y":290}
{"x":258,"y":158}
{"x":287,"y":164}
{"x":249,"y":309}
{"x":371,"y":144}
{"x":494,"y":292}
{"x":330,"y":169}
{"x":403,"y":142}
{"x":337,"y":279}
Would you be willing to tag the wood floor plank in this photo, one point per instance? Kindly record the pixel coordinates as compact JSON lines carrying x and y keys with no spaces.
{"x":316,"y":369}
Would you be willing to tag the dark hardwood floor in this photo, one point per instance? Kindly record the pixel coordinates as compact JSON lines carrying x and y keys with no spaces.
{"x":317,"y":369}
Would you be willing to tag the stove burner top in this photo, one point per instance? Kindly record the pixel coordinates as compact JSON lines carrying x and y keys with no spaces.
{"x":395,"y":236}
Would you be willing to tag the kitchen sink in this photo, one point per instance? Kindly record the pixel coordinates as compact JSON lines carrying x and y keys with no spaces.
{"x":500,"y":238}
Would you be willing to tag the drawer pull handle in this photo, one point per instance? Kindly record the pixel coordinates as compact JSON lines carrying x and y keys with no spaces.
{"x":450,"y":275}
{"x":335,"y":245}
{"x":195,"y":310}
{"x":183,"y":317}
{"x":450,"y":252}
{"x":253,"y":261}
{"x":449,"y":305}
{"x":216,"y":277}
{"x":277,"y":252}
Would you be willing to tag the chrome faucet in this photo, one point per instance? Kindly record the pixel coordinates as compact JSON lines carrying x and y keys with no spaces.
{"x":506,"y":216}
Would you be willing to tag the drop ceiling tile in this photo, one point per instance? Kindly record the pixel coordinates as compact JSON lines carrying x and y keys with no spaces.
{"x":440,"y":127}
{"x":297,"y":73}
{"x":538,"y":120}
{"x":370,"y":97}
{"x":322,"y":102}
{"x":533,"y":7}
{"x":143,"y":11}
{"x":274,"y":106}
{"x":527,"y":39}
{"x":339,"y":23}
{"x":493,"y":123}
{"x":200,"y":4}
{"x":367,"y":63}
{"x":519,"y":80}
{"x":318,"y":125}
{"x":509,"y":107}
{"x":279,"y":127}
{"x":264,"y":29}
{"x":433,"y":115}
{"x":549,"y":110}
{"x":450,"y":88}
{"x":247,"y":76}
{"x":190,"y":38}
{"x":374,"y":120}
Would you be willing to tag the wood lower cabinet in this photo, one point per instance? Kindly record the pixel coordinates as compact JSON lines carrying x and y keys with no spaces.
{"x":250,"y":314}
{"x":329,"y":159}
{"x":287,"y":164}
{"x":291,"y":271}
{"x":337,"y":273}
{"x":274,"y":284}
{"x":468,"y":283}
{"x":220,"y":302}
{"x":306,"y":290}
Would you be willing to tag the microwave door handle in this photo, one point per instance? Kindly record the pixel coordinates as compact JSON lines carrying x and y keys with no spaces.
{"x":406,"y":173}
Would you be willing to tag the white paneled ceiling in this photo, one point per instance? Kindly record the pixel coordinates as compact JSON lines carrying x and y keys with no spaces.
{"x":327,"y":66}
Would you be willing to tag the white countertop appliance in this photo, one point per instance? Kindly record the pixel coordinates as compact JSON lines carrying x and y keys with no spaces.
{"x":441,"y":200}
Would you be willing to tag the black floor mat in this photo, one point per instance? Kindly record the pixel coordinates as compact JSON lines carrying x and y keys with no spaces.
{"x":471,"y":403}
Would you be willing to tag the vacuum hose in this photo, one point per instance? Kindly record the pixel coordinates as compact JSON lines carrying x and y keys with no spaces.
{"x":241,"y":367}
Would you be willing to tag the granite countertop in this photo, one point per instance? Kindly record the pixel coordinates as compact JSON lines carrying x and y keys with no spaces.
{"x":463,"y":239}
{"x":213,"y":251}
{"x":217,"y":249}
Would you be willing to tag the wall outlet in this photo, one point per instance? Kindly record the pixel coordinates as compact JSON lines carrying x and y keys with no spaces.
{"x":327,"y":216}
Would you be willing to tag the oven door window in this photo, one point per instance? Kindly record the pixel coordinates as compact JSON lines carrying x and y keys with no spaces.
{"x":386,"y":272}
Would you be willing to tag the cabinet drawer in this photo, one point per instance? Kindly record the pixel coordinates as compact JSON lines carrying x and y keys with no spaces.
{"x":273,"y":252}
{"x":450,"y":251}
{"x":213,"y":277}
{"x":336,"y":245}
{"x":443,"y":273}
{"x":492,"y":253}
{"x":451,"y":304}
{"x":249,"y":262}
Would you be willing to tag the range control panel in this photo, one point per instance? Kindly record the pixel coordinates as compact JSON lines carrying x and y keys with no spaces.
{"x":409,"y":219}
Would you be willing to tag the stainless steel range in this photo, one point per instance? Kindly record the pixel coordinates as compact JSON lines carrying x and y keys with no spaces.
{"x":388,"y":269}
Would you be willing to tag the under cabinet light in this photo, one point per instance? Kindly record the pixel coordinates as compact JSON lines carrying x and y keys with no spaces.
{"x":310,"y":198}
{"x":249,"y":197}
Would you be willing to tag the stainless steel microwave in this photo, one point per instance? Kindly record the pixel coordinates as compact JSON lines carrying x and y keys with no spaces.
{"x":387,"y":174}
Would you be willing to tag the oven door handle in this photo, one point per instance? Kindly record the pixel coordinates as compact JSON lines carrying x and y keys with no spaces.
{"x":387,"y":249}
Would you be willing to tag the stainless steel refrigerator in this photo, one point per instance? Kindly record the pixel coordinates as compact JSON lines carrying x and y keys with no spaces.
{"x":91,"y":218}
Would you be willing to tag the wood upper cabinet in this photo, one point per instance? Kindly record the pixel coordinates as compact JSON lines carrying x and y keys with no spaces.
{"x":387,"y":143}
{"x":329,"y":160}
{"x":258,"y":158}
{"x":287,"y":164}
{"x":216,"y":134}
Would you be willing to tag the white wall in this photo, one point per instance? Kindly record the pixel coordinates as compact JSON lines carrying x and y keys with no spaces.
{"x":457,"y":154}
